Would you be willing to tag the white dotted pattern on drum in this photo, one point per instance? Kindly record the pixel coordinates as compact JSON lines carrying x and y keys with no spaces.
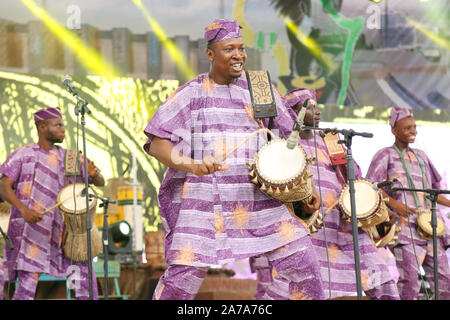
{"x":71,"y":205}
{"x":366,"y":198}
{"x":278,"y":163}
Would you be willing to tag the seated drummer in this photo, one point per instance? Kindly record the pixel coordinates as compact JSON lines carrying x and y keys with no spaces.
{"x":30,"y":180}
{"x":413,"y":169}
{"x":377,"y":281}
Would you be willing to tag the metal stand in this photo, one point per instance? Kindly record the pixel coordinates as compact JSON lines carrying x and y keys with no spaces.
{"x":347,"y":141}
{"x":104,"y":204}
{"x":432,"y":196}
{"x":81,"y":108}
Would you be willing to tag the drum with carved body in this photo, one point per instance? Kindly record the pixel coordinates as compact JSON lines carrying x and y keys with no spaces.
{"x":73,"y":210}
{"x":371,"y":212}
{"x":424,"y":228}
{"x":313,"y":222}
{"x":284,"y":174}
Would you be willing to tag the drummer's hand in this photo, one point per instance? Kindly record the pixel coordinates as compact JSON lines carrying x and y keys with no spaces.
{"x":313,"y":204}
{"x":209,"y":165}
{"x":92,"y":169}
{"x":31,"y":216}
{"x":311,"y":103}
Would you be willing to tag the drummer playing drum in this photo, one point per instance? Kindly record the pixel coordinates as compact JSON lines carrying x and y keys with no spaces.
{"x":30,"y":179}
{"x":413,"y":169}
{"x":377,"y":281}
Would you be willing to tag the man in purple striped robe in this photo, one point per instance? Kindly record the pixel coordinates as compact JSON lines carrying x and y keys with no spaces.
{"x":30,"y":180}
{"x":333,"y":242}
{"x":415,"y":171}
{"x":211,"y":212}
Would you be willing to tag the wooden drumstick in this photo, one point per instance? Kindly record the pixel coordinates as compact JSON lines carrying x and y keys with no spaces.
{"x":60,"y":203}
{"x":331,"y":208}
{"x":245,"y":140}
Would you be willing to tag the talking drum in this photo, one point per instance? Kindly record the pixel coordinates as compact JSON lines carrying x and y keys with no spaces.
{"x":424,"y":228}
{"x":313,"y":222}
{"x":371,"y":212}
{"x":73,"y":210}
{"x":282,"y":173}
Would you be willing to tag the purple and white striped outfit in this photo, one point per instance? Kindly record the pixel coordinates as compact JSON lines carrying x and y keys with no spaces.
{"x":376,"y":279}
{"x":377,"y":282}
{"x":38,"y":177}
{"x":386,"y":165}
{"x":218,"y":218}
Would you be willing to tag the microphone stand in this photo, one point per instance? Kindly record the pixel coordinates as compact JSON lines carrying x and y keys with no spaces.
{"x":104,"y":204}
{"x":348,"y":136}
{"x":432,"y":195}
{"x":81,"y":108}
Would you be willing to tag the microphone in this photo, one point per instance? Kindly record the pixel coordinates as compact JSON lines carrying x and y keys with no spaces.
{"x":293,"y":137}
{"x":387,"y":183}
{"x":68,"y":83}
{"x":83,"y":194}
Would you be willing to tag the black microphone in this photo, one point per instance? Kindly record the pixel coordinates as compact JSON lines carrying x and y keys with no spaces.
{"x":68,"y":83}
{"x":293,"y":137}
{"x":83,"y":194}
{"x":387,"y":183}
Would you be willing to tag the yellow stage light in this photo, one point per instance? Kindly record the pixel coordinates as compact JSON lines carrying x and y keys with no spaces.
{"x":173,"y":50}
{"x":310,"y":44}
{"x":430,"y":34}
{"x":87,"y":56}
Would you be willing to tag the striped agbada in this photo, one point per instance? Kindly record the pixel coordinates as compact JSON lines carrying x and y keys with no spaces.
{"x":222,"y":217}
{"x":376,"y":279}
{"x":386,"y":164}
{"x":38,"y":177}
{"x":333,"y":243}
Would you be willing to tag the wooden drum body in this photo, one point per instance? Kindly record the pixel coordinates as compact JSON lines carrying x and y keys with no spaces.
{"x":371,"y":212}
{"x":73,"y":210}
{"x":424,"y":228}
{"x":282,"y":173}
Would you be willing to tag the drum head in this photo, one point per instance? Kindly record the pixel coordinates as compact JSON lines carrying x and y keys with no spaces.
{"x":74,"y":203}
{"x":279,"y":165}
{"x":424,"y":222}
{"x":366,"y":199}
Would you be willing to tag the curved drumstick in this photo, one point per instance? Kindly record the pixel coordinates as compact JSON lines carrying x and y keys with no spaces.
{"x":331,"y":207}
{"x":61,"y":202}
{"x":246,"y":139}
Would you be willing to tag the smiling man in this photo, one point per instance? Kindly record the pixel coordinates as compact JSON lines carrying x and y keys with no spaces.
{"x":211,"y":212}
{"x":413,"y":169}
{"x":30,"y":180}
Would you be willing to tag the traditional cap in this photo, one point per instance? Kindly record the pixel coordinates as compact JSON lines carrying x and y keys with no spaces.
{"x":47,"y":113}
{"x":222,"y":29}
{"x":299,"y":95}
{"x":398,"y":114}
